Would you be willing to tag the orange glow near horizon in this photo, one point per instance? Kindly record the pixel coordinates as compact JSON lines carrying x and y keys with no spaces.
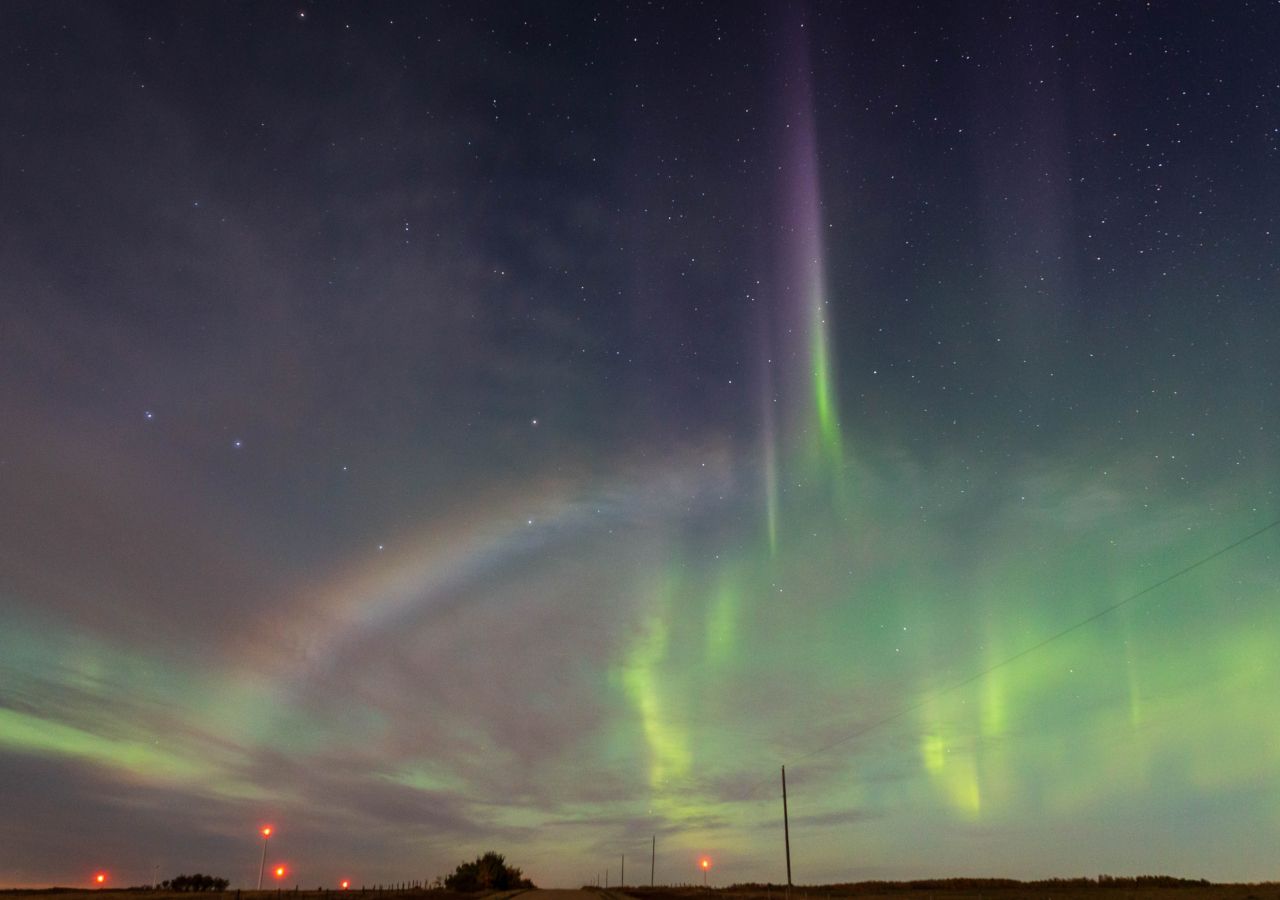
{"x":100,"y":878}
{"x":705,"y":863}
{"x":345,"y":884}
{"x":279,"y":871}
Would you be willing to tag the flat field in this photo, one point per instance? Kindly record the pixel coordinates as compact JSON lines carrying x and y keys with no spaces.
{"x":966,"y":889}
{"x":959,"y":889}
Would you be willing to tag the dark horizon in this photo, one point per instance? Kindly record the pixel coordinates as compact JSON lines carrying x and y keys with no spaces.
{"x":1102,"y":883}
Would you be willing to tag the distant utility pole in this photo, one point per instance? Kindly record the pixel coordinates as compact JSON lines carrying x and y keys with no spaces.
{"x":653,"y":852}
{"x":606,"y":879}
{"x":786,"y":827}
{"x":622,"y":879}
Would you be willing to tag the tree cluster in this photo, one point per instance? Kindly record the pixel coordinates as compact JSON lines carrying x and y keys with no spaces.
{"x":487,"y":873}
{"x":196,"y":882}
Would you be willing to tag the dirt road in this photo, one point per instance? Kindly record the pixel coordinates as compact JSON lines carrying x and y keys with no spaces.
{"x":558,"y":894}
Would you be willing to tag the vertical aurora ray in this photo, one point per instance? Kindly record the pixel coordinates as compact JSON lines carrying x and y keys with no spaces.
{"x":1132,"y":675}
{"x":801,"y":438}
{"x":812,"y":393}
{"x":830,"y":438}
{"x":769,"y":439}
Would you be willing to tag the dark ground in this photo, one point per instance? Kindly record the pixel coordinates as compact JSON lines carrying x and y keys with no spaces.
{"x":951,"y":889}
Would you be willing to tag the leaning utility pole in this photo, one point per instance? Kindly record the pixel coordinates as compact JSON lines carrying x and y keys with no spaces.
{"x":786,"y":827}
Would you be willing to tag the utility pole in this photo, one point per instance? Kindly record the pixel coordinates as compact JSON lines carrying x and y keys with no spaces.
{"x":622,"y":879}
{"x":786,"y":827}
{"x":653,"y":852}
{"x":266,"y":836}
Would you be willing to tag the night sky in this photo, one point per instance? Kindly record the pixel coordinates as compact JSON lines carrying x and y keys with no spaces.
{"x":431,"y":428}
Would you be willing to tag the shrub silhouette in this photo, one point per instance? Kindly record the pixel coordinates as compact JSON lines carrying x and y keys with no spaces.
{"x":196,"y":882}
{"x":487,"y":873}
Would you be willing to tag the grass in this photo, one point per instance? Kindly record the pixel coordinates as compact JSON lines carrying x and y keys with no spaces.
{"x":942,"y":889}
{"x":978,"y":889}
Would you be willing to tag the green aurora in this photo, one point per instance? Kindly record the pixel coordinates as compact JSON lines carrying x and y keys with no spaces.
{"x":568,"y":526}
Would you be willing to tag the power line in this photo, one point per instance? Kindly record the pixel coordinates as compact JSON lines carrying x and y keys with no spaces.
{"x":969,"y":679}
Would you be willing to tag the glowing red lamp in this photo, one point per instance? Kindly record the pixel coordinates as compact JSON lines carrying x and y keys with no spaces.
{"x":345,"y":884}
{"x":100,"y":879}
{"x":279,"y":871}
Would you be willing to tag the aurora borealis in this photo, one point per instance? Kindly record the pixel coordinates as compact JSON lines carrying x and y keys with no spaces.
{"x":430,"y":428}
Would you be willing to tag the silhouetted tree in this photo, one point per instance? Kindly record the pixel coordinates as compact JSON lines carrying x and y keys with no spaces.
{"x":196,"y":882}
{"x":487,"y":873}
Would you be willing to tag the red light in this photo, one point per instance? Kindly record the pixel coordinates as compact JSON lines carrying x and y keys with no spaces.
{"x":266,"y":831}
{"x":101,"y":878}
{"x":279,"y":871}
{"x":345,"y":884}
{"x":705,"y":863}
